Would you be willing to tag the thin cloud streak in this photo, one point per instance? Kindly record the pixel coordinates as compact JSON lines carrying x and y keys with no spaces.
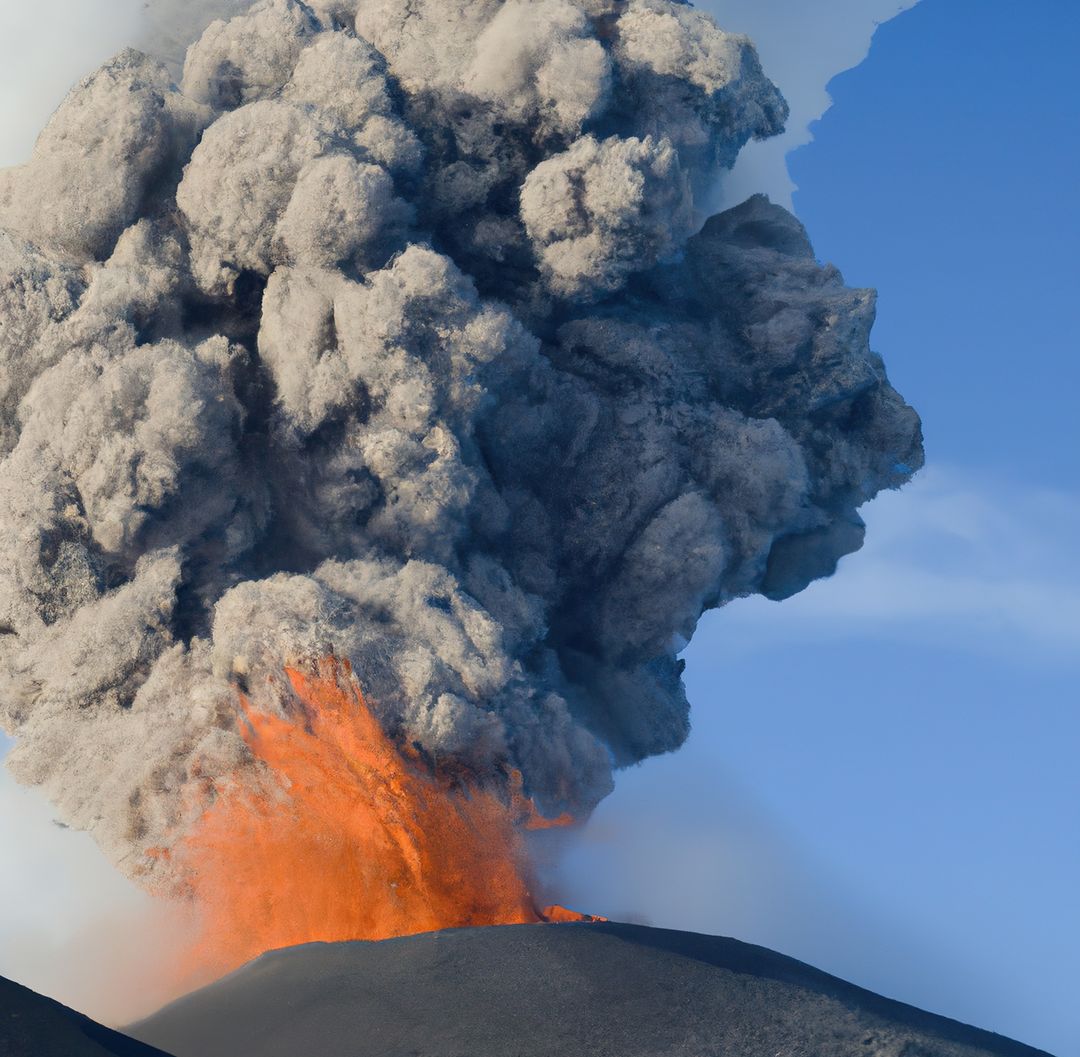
{"x":986,"y":564}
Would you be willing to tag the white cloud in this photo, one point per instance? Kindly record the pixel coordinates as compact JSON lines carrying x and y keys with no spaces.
{"x":977,"y":563}
{"x":802,"y":47}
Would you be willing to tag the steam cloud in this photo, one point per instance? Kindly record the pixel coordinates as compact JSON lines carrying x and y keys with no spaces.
{"x":387,"y":334}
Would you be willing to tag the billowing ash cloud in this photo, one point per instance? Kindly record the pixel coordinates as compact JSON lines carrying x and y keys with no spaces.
{"x":387,"y":335}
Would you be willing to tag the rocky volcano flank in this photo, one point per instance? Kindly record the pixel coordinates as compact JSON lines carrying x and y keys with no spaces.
{"x":607,"y":990}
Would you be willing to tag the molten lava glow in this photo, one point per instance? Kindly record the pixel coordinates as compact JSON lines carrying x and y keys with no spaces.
{"x":556,"y":914}
{"x":361,"y":841}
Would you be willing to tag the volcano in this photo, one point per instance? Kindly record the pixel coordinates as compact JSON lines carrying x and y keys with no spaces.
{"x":525,"y":991}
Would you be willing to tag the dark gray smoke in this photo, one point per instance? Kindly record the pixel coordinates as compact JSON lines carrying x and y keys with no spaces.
{"x":386,"y":334}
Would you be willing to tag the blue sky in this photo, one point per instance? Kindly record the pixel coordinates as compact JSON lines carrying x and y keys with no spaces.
{"x":882,"y":777}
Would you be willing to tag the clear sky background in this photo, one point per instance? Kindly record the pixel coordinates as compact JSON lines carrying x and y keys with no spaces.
{"x":882,"y":778}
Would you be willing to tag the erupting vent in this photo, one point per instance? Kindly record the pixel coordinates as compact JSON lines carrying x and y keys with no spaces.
{"x":351,"y":838}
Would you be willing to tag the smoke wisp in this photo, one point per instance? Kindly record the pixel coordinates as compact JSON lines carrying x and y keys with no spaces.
{"x":386,"y":334}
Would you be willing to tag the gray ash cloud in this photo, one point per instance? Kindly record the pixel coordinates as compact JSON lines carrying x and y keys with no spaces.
{"x":388,"y":334}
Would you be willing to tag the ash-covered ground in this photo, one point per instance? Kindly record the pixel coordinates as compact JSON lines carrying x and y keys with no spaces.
{"x":607,"y":990}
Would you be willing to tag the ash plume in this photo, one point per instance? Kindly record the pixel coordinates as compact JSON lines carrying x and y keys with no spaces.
{"x":386,"y":333}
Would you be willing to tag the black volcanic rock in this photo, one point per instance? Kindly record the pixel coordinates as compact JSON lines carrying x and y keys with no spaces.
{"x":33,"y":1026}
{"x":603,"y":990}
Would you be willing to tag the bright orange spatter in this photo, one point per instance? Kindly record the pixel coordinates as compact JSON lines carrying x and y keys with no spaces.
{"x":362,"y":842}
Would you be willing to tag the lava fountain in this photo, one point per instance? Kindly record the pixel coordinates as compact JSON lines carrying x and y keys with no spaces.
{"x":350,"y":837}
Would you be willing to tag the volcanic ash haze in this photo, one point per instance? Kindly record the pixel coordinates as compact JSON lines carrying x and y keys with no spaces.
{"x":385,"y":339}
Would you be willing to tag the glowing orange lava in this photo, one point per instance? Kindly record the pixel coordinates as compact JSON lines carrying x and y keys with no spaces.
{"x":556,"y":915}
{"x":362,"y":841}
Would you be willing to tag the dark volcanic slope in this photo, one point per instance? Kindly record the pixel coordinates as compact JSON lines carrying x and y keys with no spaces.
{"x":568,"y":990}
{"x":33,"y":1026}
